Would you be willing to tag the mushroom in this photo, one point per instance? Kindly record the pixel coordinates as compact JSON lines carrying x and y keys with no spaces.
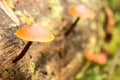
{"x":100,"y":58}
{"x":32,"y":33}
{"x":89,"y":56}
{"x":80,"y":11}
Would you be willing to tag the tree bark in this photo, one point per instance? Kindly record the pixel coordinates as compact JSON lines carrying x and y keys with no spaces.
{"x":43,"y":61}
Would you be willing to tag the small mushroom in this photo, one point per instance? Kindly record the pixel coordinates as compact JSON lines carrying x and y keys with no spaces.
{"x":89,"y":56}
{"x":100,"y":58}
{"x":80,"y":11}
{"x":32,"y":33}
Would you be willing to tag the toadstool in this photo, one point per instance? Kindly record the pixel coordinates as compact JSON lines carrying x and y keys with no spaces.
{"x":32,"y":33}
{"x":99,"y":58}
{"x":89,"y":56}
{"x":80,"y":11}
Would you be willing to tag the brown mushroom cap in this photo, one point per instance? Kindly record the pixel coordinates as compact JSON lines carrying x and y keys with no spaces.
{"x":35,"y":32}
{"x":81,"y":11}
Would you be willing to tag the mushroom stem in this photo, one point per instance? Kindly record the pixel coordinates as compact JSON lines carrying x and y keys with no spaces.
{"x":72,"y":26}
{"x":22,"y":52}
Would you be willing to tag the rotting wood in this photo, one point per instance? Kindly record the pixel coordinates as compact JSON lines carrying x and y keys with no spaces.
{"x":48,"y":58}
{"x":10,"y":48}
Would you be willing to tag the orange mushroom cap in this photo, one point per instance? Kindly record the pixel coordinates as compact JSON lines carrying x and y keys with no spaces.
{"x":100,"y":58}
{"x":89,"y":56}
{"x":81,"y":11}
{"x":34,"y":32}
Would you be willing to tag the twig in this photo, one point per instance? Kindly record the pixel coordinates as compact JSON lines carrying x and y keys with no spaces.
{"x":114,"y":62}
{"x":9,"y":12}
